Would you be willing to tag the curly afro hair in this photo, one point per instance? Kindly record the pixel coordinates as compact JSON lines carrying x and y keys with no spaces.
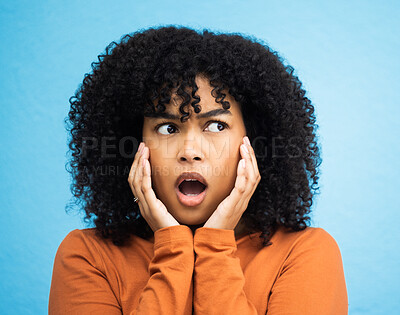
{"x":105,"y":124}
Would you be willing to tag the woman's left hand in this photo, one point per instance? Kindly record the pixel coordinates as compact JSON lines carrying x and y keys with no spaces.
{"x":230,"y":210}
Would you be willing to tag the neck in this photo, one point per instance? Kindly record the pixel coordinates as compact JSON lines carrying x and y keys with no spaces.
{"x":195,"y":227}
{"x":240,"y":230}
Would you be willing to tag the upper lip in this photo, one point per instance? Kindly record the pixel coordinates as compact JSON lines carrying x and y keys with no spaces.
{"x":190,"y":175}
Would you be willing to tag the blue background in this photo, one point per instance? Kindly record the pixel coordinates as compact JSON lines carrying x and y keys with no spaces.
{"x":345,"y":52}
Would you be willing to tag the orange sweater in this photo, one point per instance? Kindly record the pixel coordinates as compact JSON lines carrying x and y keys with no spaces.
{"x":208,"y":273}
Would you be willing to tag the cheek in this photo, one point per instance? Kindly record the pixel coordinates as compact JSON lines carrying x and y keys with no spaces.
{"x":225,"y":148}
{"x":159,"y":169}
{"x":226,"y":164}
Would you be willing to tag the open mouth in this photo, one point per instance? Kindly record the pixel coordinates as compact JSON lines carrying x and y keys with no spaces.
{"x":190,"y":191}
{"x":191,"y":187}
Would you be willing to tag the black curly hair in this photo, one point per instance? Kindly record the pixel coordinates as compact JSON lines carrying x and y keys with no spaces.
{"x":106,"y":119}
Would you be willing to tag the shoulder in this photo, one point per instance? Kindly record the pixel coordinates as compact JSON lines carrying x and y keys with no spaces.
{"x":318,"y":239}
{"x":90,"y":245}
{"x":84,"y":237}
{"x":313,"y":245}
{"x":309,"y":274}
{"x":83,"y":243}
{"x":309,"y":237}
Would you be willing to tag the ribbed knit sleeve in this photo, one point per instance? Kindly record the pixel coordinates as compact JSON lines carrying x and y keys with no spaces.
{"x":218,"y":277}
{"x":170,"y":288}
{"x":310,"y":280}
{"x":80,"y":285}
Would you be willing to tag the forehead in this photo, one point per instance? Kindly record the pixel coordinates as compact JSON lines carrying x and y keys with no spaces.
{"x":209,"y":106}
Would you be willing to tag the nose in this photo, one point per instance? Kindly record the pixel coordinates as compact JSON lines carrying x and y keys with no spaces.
{"x":191,"y":151}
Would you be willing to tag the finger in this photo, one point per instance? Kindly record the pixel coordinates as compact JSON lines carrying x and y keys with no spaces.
{"x":132,"y":173}
{"x":250,"y":173}
{"x":246,"y":182}
{"x":251,"y":152}
{"x":134,"y":164}
{"x":147,"y":190}
{"x":243,"y":194}
{"x":255,"y":178}
{"x":137,"y":181}
{"x":253,"y":157}
{"x":160,"y":213}
{"x":135,"y":160}
{"x":240,"y":190}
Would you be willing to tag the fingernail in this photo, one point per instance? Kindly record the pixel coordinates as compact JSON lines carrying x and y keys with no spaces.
{"x":247,"y":140}
{"x":140,"y":146}
{"x":245,"y":148}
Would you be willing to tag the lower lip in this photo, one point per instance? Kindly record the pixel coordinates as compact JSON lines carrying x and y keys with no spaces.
{"x":190,"y":201}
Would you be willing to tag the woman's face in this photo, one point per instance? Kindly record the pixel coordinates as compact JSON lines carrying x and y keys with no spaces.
{"x":200,"y":144}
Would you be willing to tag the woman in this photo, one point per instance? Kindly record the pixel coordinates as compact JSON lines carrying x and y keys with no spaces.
{"x":210,"y":217}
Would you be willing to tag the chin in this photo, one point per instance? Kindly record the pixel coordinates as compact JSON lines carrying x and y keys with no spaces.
{"x":191,"y":219}
{"x":194,"y":227}
{"x":192,"y":222}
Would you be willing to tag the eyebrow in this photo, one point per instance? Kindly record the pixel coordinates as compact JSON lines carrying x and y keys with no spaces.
{"x":211,"y":113}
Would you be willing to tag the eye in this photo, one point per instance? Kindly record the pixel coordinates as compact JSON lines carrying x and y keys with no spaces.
{"x":217,"y":126}
{"x":165,"y":128}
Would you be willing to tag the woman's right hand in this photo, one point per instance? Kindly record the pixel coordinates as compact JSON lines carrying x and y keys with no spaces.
{"x":139,"y":179}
